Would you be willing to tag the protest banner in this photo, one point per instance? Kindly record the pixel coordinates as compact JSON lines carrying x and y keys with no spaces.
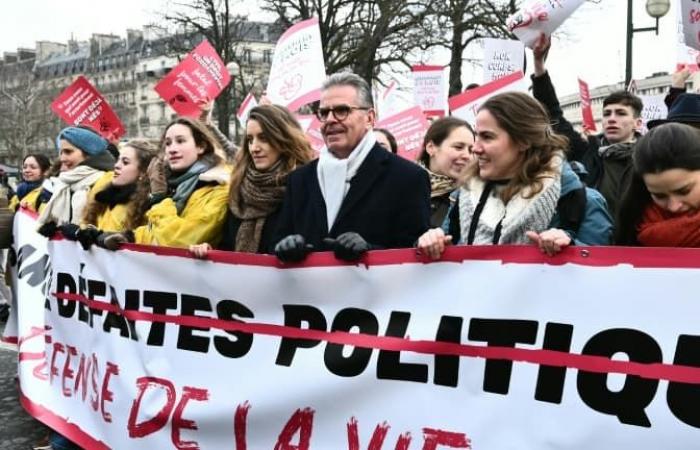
{"x":686,"y":57}
{"x":429,"y":89}
{"x":312,"y":127}
{"x":243,"y":111}
{"x":298,"y":69}
{"x":654,"y":108}
{"x":82,"y":104}
{"x":586,"y":110}
{"x":540,"y":16}
{"x":196,"y":81}
{"x":409,"y":128}
{"x":690,"y":12}
{"x":502,"y":57}
{"x":466,"y":105}
{"x":138,"y":353}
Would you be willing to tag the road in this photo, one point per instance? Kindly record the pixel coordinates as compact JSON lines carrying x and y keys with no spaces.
{"x":18,"y":430}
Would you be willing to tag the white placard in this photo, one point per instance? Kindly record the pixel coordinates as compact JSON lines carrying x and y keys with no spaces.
{"x":298,"y":69}
{"x":654,"y":108}
{"x":429,"y":89}
{"x":540,"y":16}
{"x":502,"y":57}
{"x":244,"y":110}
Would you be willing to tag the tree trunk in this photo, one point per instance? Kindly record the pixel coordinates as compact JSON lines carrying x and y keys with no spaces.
{"x":456,"y":62}
{"x":223,"y":110}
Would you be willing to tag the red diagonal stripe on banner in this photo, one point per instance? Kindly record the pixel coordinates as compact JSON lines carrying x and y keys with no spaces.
{"x":588,"y":363}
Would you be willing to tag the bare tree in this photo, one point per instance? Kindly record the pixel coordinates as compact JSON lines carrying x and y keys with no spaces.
{"x":466,"y":21}
{"x":25,"y":121}
{"x":215,"y":21}
{"x":361,"y":35}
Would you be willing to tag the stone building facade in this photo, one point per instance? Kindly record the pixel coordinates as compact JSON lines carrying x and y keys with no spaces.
{"x":124,"y":69}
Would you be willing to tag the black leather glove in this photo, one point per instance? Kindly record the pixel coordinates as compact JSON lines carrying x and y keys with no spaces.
{"x":348,"y":246}
{"x":48,"y":229}
{"x":88,"y":236}
{"x":292,"y":248}
{"x":69,"y":231}
{"x":112,"y":241}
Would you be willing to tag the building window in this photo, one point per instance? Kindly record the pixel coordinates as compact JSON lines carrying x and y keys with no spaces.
{"x":267,"y":56}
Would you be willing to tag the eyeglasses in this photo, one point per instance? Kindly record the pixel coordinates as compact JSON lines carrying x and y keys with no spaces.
{"x":340,"y":112}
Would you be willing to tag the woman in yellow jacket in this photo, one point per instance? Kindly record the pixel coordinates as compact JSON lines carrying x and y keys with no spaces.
{"x":120,"y":202}
{"x":34,"y":169}
{"x":189,"y":191}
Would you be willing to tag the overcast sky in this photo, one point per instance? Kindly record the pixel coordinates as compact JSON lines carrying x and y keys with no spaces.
{"x":593,"y":47}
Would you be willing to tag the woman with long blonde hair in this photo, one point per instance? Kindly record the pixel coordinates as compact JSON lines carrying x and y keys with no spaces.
{"x":274,"y":145}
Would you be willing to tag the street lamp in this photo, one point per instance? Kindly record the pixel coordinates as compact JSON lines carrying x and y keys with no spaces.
{"x":655,"y":9}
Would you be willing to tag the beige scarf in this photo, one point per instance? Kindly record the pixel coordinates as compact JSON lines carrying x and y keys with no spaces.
{"x":439,"y":184}
{"x":259,"y":195}
{"x":69,"y":195}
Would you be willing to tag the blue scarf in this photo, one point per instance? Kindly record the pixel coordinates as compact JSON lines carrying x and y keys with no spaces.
{"x":184,"y":185}
{"x":25,"y":187}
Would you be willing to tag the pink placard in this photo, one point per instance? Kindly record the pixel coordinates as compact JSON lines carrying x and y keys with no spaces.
{"x":197,"y":80}
{"x":466,"y":105}
{"x":82,"y":104}
{"x":409,"y":128}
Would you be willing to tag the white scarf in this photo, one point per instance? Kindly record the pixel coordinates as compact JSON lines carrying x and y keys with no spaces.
{"x":69,"y":195}
{"x":334,"y":174}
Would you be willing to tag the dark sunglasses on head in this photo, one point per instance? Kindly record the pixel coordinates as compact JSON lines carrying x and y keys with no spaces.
{"x":340,"y":112}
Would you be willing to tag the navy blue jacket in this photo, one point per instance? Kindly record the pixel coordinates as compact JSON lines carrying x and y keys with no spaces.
{"x":388,"y":203}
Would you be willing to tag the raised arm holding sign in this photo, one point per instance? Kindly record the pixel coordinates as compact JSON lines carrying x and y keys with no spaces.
{"x":196,"y":81}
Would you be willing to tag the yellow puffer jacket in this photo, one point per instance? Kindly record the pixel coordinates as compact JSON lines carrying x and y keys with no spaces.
{"x":30,"y":200}
{"x":111,"y":219}
{"x":201,"y":220}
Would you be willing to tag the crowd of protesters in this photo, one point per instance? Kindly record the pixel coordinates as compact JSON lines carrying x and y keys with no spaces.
{"x":520,"y":175}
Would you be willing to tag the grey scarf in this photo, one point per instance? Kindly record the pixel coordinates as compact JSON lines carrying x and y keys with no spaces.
{"x":185,"y":184}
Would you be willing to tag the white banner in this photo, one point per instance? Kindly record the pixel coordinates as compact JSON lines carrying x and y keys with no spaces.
{"x":490,"y":348}
{"x":298,"y":69}
{"x":540,"y":16}
{"x":430,"y":89}
{"x":502,"y":57}
{"x":466,"y":105}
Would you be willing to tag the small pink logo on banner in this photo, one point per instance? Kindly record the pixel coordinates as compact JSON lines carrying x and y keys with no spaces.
{"x":298,"y":69}
{"x":429,"y":89}
{"x":586,"y":110}
{"x":243,"y":111}
{"x":82,"y":104}
{"x":196,"y":81}
{"x":409,"y":128}
{"x":466,"y":105}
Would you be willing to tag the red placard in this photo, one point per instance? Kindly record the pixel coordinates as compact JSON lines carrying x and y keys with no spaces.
{"x":82,"y":104}
{"x":586,"y":110}
{"x":196,"y":81}
{"x":409,"y":128}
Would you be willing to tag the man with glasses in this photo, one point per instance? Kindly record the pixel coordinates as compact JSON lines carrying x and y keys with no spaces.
{"x":356,"y":196}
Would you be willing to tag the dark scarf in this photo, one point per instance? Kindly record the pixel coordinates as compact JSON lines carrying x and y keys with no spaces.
{"x":26,"y":187}
{"x":115,"y":195}
{"x":259,"y":195}
{"x":660,"y":228}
